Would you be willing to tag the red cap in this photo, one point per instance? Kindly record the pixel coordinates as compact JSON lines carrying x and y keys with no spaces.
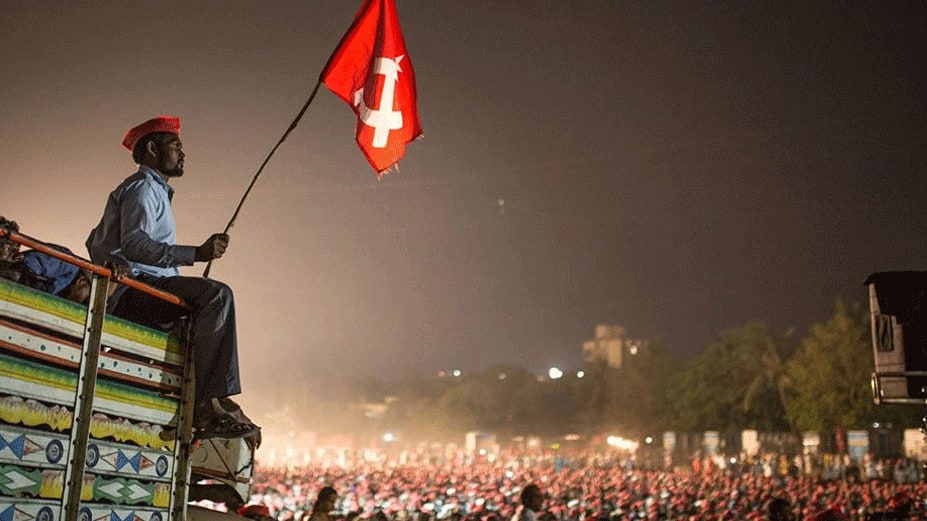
{"x":254,"y":511}
{"x":157,"y":124}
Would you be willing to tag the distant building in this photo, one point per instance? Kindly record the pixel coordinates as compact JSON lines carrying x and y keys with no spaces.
{"x":610,"y":346}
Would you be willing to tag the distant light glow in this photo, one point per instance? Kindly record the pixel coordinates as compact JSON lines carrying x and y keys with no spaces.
{"x":580,"y":374}
{"x":388,"y":437}
{"x":456,"y":373}
{"x":620,"y":443}
{"x":554,"y":373}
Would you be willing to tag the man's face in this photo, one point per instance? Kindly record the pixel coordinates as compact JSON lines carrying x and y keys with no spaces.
{"x":170,"y":157}
{"x":79,"y":290}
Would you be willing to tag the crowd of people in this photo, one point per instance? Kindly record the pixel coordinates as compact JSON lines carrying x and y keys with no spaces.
{"x":586,"y":488}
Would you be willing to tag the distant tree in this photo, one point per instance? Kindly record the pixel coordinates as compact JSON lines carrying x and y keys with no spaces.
{"x":663,"y":371}
{"x":592,"y":395}
{"x":540,"y":406}
{"x":831,"y":375}
{"x":732,"y":384}
{"x":631,"y":399}
{"x":767,"y":394}
{"x":637,"y":402}
{"x":413,"y":404}
{"x":500,"y":399}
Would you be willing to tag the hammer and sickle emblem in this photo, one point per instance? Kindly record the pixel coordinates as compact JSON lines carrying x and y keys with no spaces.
{"x":384,"y":118}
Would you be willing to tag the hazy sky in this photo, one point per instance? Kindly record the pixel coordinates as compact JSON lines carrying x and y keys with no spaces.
{"x":677,"y":168}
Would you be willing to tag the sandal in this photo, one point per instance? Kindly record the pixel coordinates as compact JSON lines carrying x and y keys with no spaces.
{"x":226,"y":427}
{"x":238,"y":415}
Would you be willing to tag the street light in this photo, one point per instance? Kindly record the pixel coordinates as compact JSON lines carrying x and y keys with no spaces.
{"x":554,"y":373}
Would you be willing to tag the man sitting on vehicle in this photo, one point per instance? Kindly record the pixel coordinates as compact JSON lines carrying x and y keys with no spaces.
{"x":138,"y":230}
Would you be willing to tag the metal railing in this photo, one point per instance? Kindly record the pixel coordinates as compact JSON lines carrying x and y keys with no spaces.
{"x":96,"y":269}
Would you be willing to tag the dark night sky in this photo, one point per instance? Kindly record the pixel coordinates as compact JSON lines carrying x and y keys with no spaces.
{"x":677,"y":168}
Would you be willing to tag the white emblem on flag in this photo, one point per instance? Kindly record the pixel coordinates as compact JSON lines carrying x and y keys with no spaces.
{"x":384,"y":118}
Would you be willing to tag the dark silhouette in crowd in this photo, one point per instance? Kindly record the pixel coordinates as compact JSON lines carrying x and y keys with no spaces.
{"x":780,"y":510}
{"x":532,"y":501}
{"x":137,"y":230}
{"x":899,"y":509}
{"x":324,"y":504}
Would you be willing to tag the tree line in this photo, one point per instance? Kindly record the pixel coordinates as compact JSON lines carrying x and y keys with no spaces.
{"x":750,"y":377}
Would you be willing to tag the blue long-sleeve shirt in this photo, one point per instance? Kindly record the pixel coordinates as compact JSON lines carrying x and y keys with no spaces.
{"x":138,"y":228}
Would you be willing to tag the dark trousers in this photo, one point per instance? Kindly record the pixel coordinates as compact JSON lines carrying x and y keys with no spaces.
{"x":212,"y":334}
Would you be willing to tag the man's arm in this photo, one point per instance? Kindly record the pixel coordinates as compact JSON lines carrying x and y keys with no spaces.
{"x":140,"y":208}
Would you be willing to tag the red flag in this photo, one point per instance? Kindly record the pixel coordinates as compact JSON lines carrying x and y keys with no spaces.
{"x":371,"y":71}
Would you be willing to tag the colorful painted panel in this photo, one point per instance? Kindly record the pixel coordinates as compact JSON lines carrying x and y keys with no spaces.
{"x":30,"y":343}
{"x":39,"y":448}
{"x":16,"y":410}
{"x":49,"y":483}
{"x":23,"y":509}
{"x":46,"y":383}
{"x":55,"y":313}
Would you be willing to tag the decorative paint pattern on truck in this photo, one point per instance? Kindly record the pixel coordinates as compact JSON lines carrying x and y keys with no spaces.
{"x":19,"y":445}
{"x":95,"y":413}
{"x":15,"y":410}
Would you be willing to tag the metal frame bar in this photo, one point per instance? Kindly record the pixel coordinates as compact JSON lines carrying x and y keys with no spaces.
{"x":183,"y":447}
{"x":83,"y":402}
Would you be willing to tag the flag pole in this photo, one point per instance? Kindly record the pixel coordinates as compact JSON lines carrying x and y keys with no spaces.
{"x":261,"y":169}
